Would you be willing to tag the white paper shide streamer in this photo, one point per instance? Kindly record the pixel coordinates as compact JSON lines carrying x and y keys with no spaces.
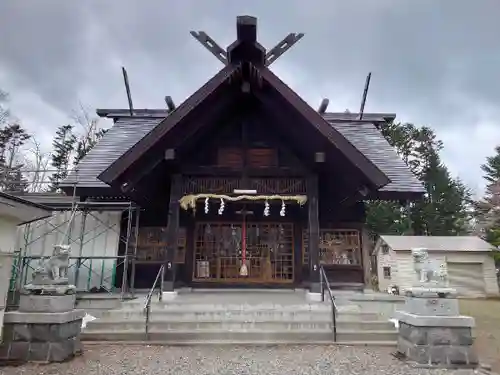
{"x":221,"y":208}
{"x":267,"y":209}
{"x":283,"y":207}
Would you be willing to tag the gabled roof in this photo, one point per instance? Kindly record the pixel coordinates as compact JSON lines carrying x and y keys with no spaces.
{"x":437,"y":243}
{"x":370,"y":141}
{"x":215,"y":84}
{"x":123,"y":135}
{"x":218,"y":83}
{"x":364,"y":136}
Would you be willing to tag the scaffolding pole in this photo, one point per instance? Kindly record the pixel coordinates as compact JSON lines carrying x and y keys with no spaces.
{"x":134,"y":258}
{"x":80,"y":249}
{"x":85,"y":209}
{"x":125,"y":265}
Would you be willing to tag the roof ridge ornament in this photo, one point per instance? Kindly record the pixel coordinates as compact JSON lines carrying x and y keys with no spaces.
{"x":246,"y":27}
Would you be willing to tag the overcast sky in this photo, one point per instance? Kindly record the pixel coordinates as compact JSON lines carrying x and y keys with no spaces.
{"x":434,"y":63}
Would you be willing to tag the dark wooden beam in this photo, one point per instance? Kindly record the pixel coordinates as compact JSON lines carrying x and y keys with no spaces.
{"x":279,"y":116}
{"x":212,"y":87}
{"x":365,"y":94}
{"x":140,"y":174}
{"x":184,"y":137}
{"x":246,"y":29}
{"x":279,"y":49}
{"x":172,"y":231}
{"x":313,"y":232}
{"x":127,"y":88}
{"x":244,"y":147}
{"x":170,"y":103}
{"x":211,"y":45}
{"x":323,"y":106}
{"x":251,"y":172}
{"x":245,"y":51}
{"x":297,"y":105}
{"x":218,"y":109}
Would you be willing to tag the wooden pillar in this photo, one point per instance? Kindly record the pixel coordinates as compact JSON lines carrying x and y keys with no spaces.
{"x":313,"y":231}
{"x":172,"y":232}
{"x":366,"y":253}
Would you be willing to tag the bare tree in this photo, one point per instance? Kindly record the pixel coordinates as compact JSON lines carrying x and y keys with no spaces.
{"x":4,"y":112}
{"x":36,"y":167}
{"x":89,"y":134}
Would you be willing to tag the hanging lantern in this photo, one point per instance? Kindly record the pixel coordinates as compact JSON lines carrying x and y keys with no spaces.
{"x":221,"y":208}
{"x":206,"y":206}
{"x":282,"y":212}
{"x":267,"y":209}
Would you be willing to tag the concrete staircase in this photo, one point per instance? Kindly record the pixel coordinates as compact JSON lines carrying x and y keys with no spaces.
{"x":241,"y":318}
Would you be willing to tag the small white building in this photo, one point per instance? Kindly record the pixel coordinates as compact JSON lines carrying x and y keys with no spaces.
{"x":14,"y":211}
{"x":471,"y":268}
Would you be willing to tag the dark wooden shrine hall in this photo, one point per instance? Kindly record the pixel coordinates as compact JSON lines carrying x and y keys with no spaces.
{"x":244,"y":183}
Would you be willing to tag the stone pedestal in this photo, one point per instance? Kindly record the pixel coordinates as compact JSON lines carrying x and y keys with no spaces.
{"x":432,"y":332}
{"x":45,"y":329}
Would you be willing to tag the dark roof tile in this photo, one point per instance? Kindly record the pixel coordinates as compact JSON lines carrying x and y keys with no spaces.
{"x":127,"y":131}
{"x":124,"y":134}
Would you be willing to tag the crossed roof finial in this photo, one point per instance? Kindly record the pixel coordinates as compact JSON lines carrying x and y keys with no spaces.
{"x":246,"y":27}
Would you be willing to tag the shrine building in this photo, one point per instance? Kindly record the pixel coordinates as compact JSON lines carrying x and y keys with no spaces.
{"x":243,"y":184}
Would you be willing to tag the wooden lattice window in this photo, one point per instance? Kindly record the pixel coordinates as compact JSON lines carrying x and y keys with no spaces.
{"x":269,"y":252}
{"x":336,"y":247}
{"x":152,"y":245}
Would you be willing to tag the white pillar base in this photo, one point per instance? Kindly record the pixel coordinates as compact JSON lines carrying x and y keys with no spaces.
{"x":168,"y":296}
{"x":313,"y":297}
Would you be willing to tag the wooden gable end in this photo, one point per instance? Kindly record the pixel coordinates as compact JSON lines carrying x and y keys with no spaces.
{"x":246,"y":79}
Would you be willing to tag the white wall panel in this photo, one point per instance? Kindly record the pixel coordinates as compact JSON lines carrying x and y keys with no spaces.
{"x":94,"y":234}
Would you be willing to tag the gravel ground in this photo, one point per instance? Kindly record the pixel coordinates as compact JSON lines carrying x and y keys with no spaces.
{"x":207,"y":360}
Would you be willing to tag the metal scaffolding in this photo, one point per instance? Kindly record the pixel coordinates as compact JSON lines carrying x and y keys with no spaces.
{"x":87,"y":271}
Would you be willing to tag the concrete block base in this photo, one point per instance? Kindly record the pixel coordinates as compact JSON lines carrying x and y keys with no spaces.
{"x":432,"y":341}
{"x":47,"y":303}
{"x":41,"y":337}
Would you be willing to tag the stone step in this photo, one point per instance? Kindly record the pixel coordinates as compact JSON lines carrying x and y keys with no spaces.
{"x":325,"y":325}
{"x":241,"y":336}
{"x":234,"y":307}
{"x":143,"y":341}
{"x":223,"y":315}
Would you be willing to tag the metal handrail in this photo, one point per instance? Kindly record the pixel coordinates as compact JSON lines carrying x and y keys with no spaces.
{"x":147,"y":303}
{"x":323,"y":279}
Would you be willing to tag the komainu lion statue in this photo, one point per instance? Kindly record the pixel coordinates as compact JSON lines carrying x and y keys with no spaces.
{"x":428,"y":270}
{"x":53,"y":270}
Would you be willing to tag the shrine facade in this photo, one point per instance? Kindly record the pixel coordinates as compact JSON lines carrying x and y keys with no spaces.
{"x":244,"y":184}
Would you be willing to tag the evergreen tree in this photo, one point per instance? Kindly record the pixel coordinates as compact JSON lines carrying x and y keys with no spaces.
{"x":63,"y":148}
{"x":488,"y":208}
{"x":444,"y":210}
{"x":491,"y":168}
{"x":392,"y":217}
{"x":388,"y":218}
{"x":87,"y":143}
{"x":12,"y":138}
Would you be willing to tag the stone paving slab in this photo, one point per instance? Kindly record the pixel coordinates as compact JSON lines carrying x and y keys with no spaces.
{"x":236,"y":360}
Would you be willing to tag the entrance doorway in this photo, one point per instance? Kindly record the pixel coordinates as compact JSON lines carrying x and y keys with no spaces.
{"x":222,"y":248}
